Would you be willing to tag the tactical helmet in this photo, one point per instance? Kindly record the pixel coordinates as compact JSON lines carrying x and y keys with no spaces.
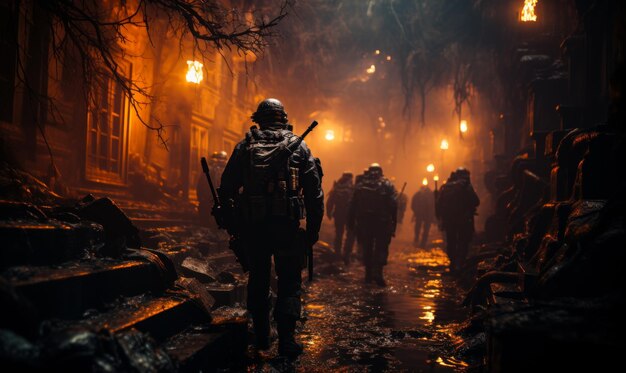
{"x":347,"y":175}
{"x":268,"y":112}
{"x":375,"y":170}
{"x":221,"y":155}
{"x":462,"y":173}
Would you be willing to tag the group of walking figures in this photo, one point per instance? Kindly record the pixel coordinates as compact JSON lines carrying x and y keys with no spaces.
{"x":271,"y":182}
{"x":367,"y":209}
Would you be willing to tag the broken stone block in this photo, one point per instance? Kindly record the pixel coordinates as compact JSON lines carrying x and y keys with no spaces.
{"x":198,"y":292}
{"x":119,"y":229}
{"x":199,"y":269}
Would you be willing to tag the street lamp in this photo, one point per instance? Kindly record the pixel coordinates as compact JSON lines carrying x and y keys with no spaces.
{"x":443,"y":146}
{"x":463,"y":126}
{"x":330,"y":135}
{"x":194,"y":72}
{"x":430,"y":167}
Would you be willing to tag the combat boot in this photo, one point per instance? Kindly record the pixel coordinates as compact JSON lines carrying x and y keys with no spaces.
{"x":287,"y":345}
{"x":378,"y":276}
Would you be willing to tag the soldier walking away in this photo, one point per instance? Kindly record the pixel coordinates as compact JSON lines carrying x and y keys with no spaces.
{"x":337,"y":208}
{"x":455,"y":208}
{"x":205,"y":202}
{"x":423,"y":207}
{"x":373,"y":215}
{"x":264,"y":217}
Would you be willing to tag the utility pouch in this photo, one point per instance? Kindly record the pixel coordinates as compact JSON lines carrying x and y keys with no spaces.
{"x":297,"y":210}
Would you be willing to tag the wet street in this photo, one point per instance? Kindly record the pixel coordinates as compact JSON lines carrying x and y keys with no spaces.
{"x":407,"y":326}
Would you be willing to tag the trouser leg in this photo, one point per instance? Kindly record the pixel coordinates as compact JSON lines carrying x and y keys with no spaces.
{"x":349,"y":243}
{"x":464,"y":241}
{"x":425,"y":232}
{"x":258,"y":296}
{"x":289,"y":304}
{"x":451,"y":246}
{"x":339,"y":228}
{"x":416,"y":231}
{"x":366,"y":241}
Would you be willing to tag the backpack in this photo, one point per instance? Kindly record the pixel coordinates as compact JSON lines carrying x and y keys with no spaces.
{"x":271,"y":190}
{"x":371,"y":199}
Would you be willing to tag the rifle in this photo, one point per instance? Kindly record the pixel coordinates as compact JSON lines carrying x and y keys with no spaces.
{"x":277,"y":162}
{"x":234,"y":243}
{"x":286,"y":151}
{"x":403,"y":187}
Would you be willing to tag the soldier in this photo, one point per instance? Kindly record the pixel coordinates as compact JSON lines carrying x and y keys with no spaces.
{"x":373,"y":215}
{"x":205,"y":201}
{"x":272,"y":201}
{"x":423,"y":206}
{"x":337,"y":208}
{"x":455,"y":208}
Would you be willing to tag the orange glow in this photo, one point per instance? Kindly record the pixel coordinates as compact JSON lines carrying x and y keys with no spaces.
{"x":424,"y":181}
{"x":330,"y":135}
{"x":528,"y":11}
{"x":436,"y":177}
{"x":444,"y":145}
{"x":463,"y":126}
{"x":371,"y":69}
{"x":194,"y":72}
{"x":388,"y":58}
{"x":430,"y":167}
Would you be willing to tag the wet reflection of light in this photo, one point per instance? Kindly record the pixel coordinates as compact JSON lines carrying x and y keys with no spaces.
{"x":451,"y":362}
{"x":428,"y":316}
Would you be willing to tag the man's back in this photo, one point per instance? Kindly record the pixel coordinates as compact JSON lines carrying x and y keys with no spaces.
{"x":423,"y":204}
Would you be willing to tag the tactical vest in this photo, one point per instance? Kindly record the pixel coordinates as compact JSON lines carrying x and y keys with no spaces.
{"x":271,"y":190}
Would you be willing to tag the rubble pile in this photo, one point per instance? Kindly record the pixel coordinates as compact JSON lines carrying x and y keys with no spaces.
{"x":83,"y":288}
{"x":551,"y":295}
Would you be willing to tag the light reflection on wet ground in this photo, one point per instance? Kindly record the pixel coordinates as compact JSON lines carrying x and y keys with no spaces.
{"x":407,"y":326}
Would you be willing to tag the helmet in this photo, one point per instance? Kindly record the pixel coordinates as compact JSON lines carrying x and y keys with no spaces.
{"x":462,"y":173}
{"x":347,"y":175}
{"x":375,"y":170}
{"x":221,"y":155}
{"x":268,"y":112}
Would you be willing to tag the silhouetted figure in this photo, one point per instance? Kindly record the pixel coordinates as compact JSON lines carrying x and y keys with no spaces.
{"x":373,"y":214}
{"x":423,"y":207}
{"x":337,"y":208}
{"x":267,"y":221}
{"x":455,"y":208}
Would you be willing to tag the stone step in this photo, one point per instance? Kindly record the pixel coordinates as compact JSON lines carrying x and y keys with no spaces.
{"x":211,"y":346}
{"x":227,"y":294}
{"x":67,"y":290}
{"x":48,"y":242}
{"x":197,"y":350}
{"x":162,"y":317}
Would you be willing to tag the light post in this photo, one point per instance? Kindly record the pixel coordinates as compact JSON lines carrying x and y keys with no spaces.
{"x":443,"y":146}
{"x":462,"y":128}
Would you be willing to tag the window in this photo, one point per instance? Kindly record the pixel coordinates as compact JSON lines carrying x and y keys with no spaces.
{"x":199,"y":148}
{"x":106,"y":135}
{"x":8,"y":46}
